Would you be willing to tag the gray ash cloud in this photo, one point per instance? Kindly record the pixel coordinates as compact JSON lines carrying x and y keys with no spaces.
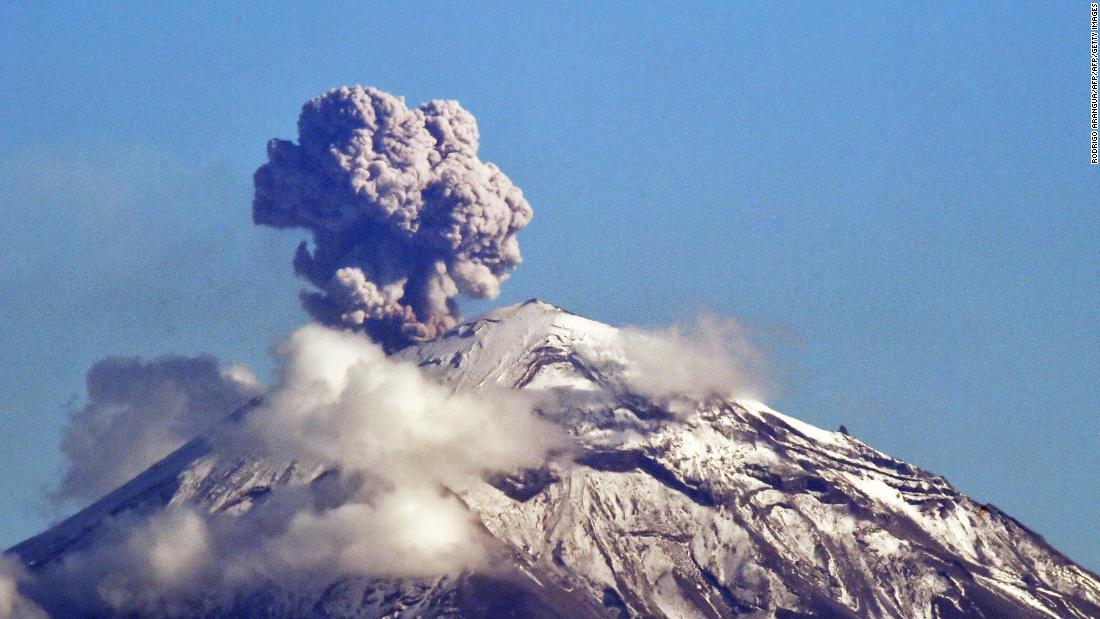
{"x":139,"y":411}
{"x":404,"y":215}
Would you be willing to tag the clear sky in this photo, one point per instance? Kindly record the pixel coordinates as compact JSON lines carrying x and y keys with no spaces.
{"x":897,"y":199}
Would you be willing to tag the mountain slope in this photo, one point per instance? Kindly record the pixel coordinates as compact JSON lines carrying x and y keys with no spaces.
{"x":711,"y":508}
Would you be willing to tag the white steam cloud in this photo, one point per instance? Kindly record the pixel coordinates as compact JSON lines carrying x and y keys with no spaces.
{"x":145,"y":566}
{"x":342,"y":400}
{"x":413,"y":443}
{"x":404,"y":215}
{"x":139,"y":411}
{"x":401,"y":449}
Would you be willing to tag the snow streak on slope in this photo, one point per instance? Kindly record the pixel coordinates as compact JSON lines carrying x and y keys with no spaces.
{"x":716,"y":507}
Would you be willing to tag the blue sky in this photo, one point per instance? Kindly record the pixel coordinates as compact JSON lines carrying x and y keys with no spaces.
{"x":897,"y":199}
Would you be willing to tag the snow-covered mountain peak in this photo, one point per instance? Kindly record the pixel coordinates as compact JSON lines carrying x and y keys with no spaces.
{"x":717,"y":507}
{"x":495,"y":348}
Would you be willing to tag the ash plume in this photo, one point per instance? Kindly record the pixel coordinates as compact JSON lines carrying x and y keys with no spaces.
{"x":405,"y":216}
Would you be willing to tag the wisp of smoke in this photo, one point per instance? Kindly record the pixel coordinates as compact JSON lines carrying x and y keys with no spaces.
{"x":404,"y":215}
{"x":710,"y":357}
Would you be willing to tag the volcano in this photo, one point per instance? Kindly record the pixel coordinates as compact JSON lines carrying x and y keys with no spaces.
{"x":723,"y":508}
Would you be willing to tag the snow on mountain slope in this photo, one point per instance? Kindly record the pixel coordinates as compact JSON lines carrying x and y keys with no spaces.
{"x":668,"y":507}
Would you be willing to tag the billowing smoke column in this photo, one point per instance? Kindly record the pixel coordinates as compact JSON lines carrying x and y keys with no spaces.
{"x":404,"y":215}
